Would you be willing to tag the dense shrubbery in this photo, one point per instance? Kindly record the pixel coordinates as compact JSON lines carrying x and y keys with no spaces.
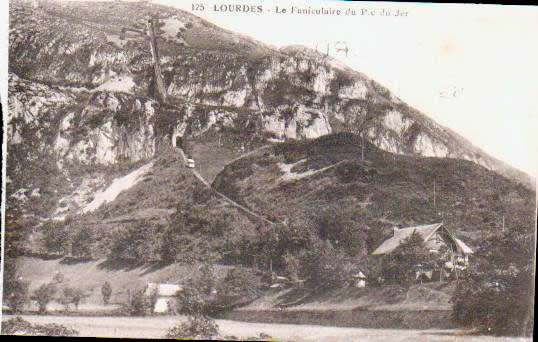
{"x":193,"y":301}
{"x":15,"y":289}
{"x":196,"y":327}
{"x":202,"y":297}
{"x":16,"y":293}
{"x":71,"y":296}
{"x":44,"y":295}
{"x":239,"y":286}
{"x":496,"y":295}
{"x":20,"y":326}
{"x":400,"y":266}
{"x":138,"y":304}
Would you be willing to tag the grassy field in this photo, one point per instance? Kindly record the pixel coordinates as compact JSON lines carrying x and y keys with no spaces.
{"x":91,"y":275}
{"x":156,"y":327}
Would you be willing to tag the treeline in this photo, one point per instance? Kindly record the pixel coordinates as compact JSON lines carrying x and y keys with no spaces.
{"x":323,"y":250}
{"x":496,"y":294}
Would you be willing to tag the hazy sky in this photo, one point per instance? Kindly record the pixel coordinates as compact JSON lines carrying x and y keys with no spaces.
{"x":472,"y":68}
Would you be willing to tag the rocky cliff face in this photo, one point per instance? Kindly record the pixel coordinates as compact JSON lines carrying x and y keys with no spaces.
{"x":71,"y":68}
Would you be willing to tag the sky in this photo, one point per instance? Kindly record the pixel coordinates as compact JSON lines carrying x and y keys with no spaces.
{"x":471,"y":68}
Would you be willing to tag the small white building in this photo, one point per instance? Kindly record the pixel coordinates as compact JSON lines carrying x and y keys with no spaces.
{"x":359,"y":280}
{"x":166,"y":296}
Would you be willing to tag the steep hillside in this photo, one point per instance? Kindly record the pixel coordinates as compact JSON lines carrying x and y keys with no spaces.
{"x":216,"y":80}
{"x":326,"y":177}
{"x":159,"y":212}
{"x":94,"y":179}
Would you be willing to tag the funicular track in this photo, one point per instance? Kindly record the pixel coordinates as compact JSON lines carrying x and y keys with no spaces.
{"x":244,"y":209}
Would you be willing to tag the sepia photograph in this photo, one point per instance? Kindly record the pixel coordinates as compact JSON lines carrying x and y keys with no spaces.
{"x":294,"y":171}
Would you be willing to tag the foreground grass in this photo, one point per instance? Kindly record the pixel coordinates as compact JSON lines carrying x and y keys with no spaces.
{"x":156,"y":327}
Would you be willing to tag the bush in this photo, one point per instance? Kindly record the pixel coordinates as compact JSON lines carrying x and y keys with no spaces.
{"x":401,"y":264}
{"x":19,"y":326}
{"x":56,"y":239}
{"x":59,"y":278}
{"x":191,"y":302}
{"x":71,"y":296}
{"x":43,"y":295}
{"x":326,"y":268}
{"x":496,"y":295}
{"x":196,"y":327}
{"x":106,"y":292}
{"x":16,"y":292}
{"x":139,"y":304}
{"x":239,"y":286}
{"x":81,"y":246}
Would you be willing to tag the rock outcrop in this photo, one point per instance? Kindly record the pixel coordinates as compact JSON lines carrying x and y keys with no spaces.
{"x":72,"y":58}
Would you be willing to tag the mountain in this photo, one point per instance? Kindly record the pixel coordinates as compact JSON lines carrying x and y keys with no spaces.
{"x":100,"y":91}
{"x":291,"y":147}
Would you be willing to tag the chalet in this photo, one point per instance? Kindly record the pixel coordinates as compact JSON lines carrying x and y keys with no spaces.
{"x":436,"y":239}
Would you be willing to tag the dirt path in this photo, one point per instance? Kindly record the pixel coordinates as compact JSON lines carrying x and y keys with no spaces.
{"x":156,"y":327}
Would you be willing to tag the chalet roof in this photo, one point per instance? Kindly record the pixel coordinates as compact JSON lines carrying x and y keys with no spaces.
{"x":389,"y":245}
{"x":464,"y":248}
{"x":164,"y":290}
{"x":425,"y":231}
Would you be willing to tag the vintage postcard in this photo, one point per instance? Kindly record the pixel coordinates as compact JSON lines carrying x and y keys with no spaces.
{"x":269,"y":170}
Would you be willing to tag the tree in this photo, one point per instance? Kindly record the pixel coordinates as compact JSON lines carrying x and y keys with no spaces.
{"x":76,"y":297}
{"x":82,"y":242}
{"x":136,"y":242}
{"x":15,"y":290}
{"x":106,"y":291}
{"x":19,"y":326}
{"x":339,"y":227}
{"x":71,"y":296}
{"x":207,"y":279}
{"x":196,"y":327}
{"x":240,"y":285}
{"x":153,"y":298}
{"x":56,"y":238}
{"x":401,"y":264}
{"x":323,"y":266}
{"x":363,"y":118}
{"x":192,"y":303}
{"x":495,"y":295}
{"x":44,"y":295}
{"x":293,"y":266}
{"x":139,"y":304}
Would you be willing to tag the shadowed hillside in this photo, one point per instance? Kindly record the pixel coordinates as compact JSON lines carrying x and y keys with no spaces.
{"x":301,"y":179}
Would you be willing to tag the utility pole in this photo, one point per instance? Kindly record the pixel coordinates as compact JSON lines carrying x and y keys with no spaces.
{"x":362,"y":146}
{"x":503,"y":225}
{"x":149,"y":34}
{"x":434,"y":203}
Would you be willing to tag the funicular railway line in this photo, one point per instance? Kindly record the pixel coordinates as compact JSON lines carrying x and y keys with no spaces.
{"x":244,"y":209}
